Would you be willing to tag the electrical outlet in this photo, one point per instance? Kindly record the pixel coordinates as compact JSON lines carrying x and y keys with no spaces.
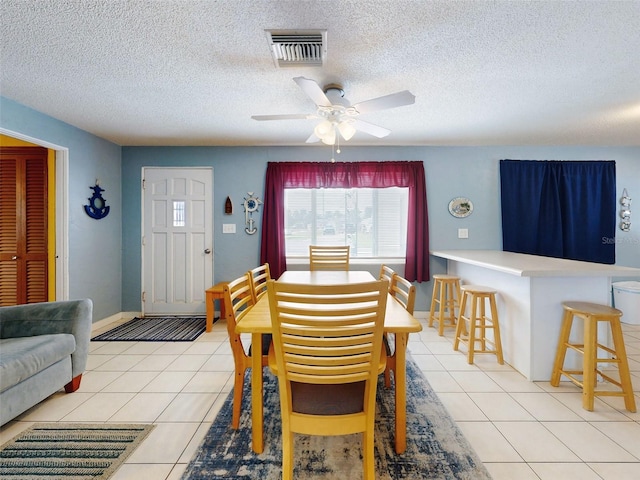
{"x":463,"y":233}
{"x":228,"y":228}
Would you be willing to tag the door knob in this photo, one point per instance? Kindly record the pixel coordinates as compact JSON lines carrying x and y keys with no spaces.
{"x":207,"y":251}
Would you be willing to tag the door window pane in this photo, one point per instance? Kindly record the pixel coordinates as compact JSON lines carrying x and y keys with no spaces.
{"x":179,"y":218}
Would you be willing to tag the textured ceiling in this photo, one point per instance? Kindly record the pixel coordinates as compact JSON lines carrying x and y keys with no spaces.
{"x":193,"y":72}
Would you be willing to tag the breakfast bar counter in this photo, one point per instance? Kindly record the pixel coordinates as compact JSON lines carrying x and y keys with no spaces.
{"x":531,"y":290}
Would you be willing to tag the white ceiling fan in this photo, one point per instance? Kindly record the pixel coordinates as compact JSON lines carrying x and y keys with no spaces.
{"x":338,"y":115}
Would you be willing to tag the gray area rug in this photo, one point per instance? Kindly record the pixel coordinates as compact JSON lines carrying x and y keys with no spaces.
{"x":436,"y":448}
{"x":75,"y":451}
{"x":156,"y":329}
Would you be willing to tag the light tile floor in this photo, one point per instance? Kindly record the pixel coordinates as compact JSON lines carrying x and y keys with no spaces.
{"x":521,"y":430}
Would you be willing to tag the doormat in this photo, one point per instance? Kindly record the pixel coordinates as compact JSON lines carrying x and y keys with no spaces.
{"x":156,"y":329}
{"x":70,"y":450}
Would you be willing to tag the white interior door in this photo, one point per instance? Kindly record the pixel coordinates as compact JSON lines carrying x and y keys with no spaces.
{"x":177,"y":239}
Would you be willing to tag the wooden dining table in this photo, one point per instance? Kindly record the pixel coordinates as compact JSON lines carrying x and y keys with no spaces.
{"x":398,"y":321}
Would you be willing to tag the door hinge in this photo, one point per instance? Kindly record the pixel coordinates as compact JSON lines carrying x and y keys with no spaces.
{"x":144,"y":297}
{"x":143,"y":183}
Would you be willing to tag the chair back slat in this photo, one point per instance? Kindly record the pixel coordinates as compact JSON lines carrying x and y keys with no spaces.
{"x":386,"y":273}
{"x":258,"y":278}
{"x":325,"y":257}
{"x":403,"y":291}
{"x":329,"y":333}
{"x":238,"y":299}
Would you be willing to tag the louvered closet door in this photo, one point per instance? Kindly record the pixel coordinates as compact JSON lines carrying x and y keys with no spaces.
{"x":23,"y":225}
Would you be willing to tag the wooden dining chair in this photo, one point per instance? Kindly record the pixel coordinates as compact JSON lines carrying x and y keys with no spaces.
{"x":327,"y":347}
{"x":404,"y":292}
{"x":238,"y":301}
{"x":326,"y":257}
{"x":258,"y":279}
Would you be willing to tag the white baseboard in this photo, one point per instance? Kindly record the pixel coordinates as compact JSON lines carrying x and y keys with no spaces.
{"x":118,"y":317}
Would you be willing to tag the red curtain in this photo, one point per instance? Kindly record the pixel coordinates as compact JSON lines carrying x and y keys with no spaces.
{"x":281,"y":175}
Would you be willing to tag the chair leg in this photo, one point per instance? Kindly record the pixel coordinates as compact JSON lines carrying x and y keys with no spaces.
{"x":472,"y":329}
{"x":623,"y":365}
{"x":368,"y":455}
{"x":387,"y":377}
{"x":496,"y":329}
{"x":452,"y":299}
{"x":482,"y":323}
{"x":388,"y":367}
{"x":287,"y":455}
{"x":589,"y":363}
{"x":434,"y":294}
{"x":460,"y":327}
{"x":561,"y":352}
{"x":238,"y":385}
{"x":442,"y":308}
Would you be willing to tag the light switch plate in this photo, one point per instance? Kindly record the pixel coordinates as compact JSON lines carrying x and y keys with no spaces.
{"x":228,"y":228}
{"x":463,"y":233}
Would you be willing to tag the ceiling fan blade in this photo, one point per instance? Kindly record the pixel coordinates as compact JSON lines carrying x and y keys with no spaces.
{"x":313,"y":91}
{"x":370,"y":128}
{"x":388,"y":101}
{"x":312,"y":139}
{"x":292,"y":116}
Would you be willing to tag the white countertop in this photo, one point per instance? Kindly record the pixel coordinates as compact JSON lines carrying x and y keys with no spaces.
{"x":523,"y":265}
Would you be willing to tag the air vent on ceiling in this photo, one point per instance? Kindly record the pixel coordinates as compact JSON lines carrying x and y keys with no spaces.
{"x":298,"y":48}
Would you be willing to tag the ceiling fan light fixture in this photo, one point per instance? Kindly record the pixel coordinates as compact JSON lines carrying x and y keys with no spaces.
{"x":338,"y":118}
{"x":346,"y":130}
{"x":329,"y":138}
{"x":323,"y":128}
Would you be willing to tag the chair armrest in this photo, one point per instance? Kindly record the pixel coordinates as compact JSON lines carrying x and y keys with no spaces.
{"x":70,"y":316}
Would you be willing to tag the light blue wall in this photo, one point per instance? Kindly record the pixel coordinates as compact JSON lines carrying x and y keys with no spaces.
{"x":105,"y":255}
{"x":451,"y":172}
{"x":94,"y":245}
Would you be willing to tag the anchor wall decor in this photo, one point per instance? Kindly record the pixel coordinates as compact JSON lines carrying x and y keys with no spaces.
{"x":251,"y":203}
{"x":97,"y":207}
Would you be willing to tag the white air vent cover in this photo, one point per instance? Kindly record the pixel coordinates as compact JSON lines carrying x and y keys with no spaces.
{"x":295,"y":48}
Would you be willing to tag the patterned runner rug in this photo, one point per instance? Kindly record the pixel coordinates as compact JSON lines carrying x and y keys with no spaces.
{"x":436,"y":448}
{"x":69,"y":451}
{"x":156,"y":329}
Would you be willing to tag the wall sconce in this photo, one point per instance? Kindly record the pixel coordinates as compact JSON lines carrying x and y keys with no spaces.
{"x":625,"y":211}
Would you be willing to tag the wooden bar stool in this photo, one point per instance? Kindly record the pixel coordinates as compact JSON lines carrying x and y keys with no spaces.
{"x":592,"y":313}
{"x":445,"y":297}
{"x":472,"y":329}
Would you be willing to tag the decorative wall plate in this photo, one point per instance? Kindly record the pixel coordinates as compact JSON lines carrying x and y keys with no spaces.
{"x":460,"y":207}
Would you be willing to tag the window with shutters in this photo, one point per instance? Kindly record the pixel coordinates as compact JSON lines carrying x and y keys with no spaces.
{"x":373,"y":221}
